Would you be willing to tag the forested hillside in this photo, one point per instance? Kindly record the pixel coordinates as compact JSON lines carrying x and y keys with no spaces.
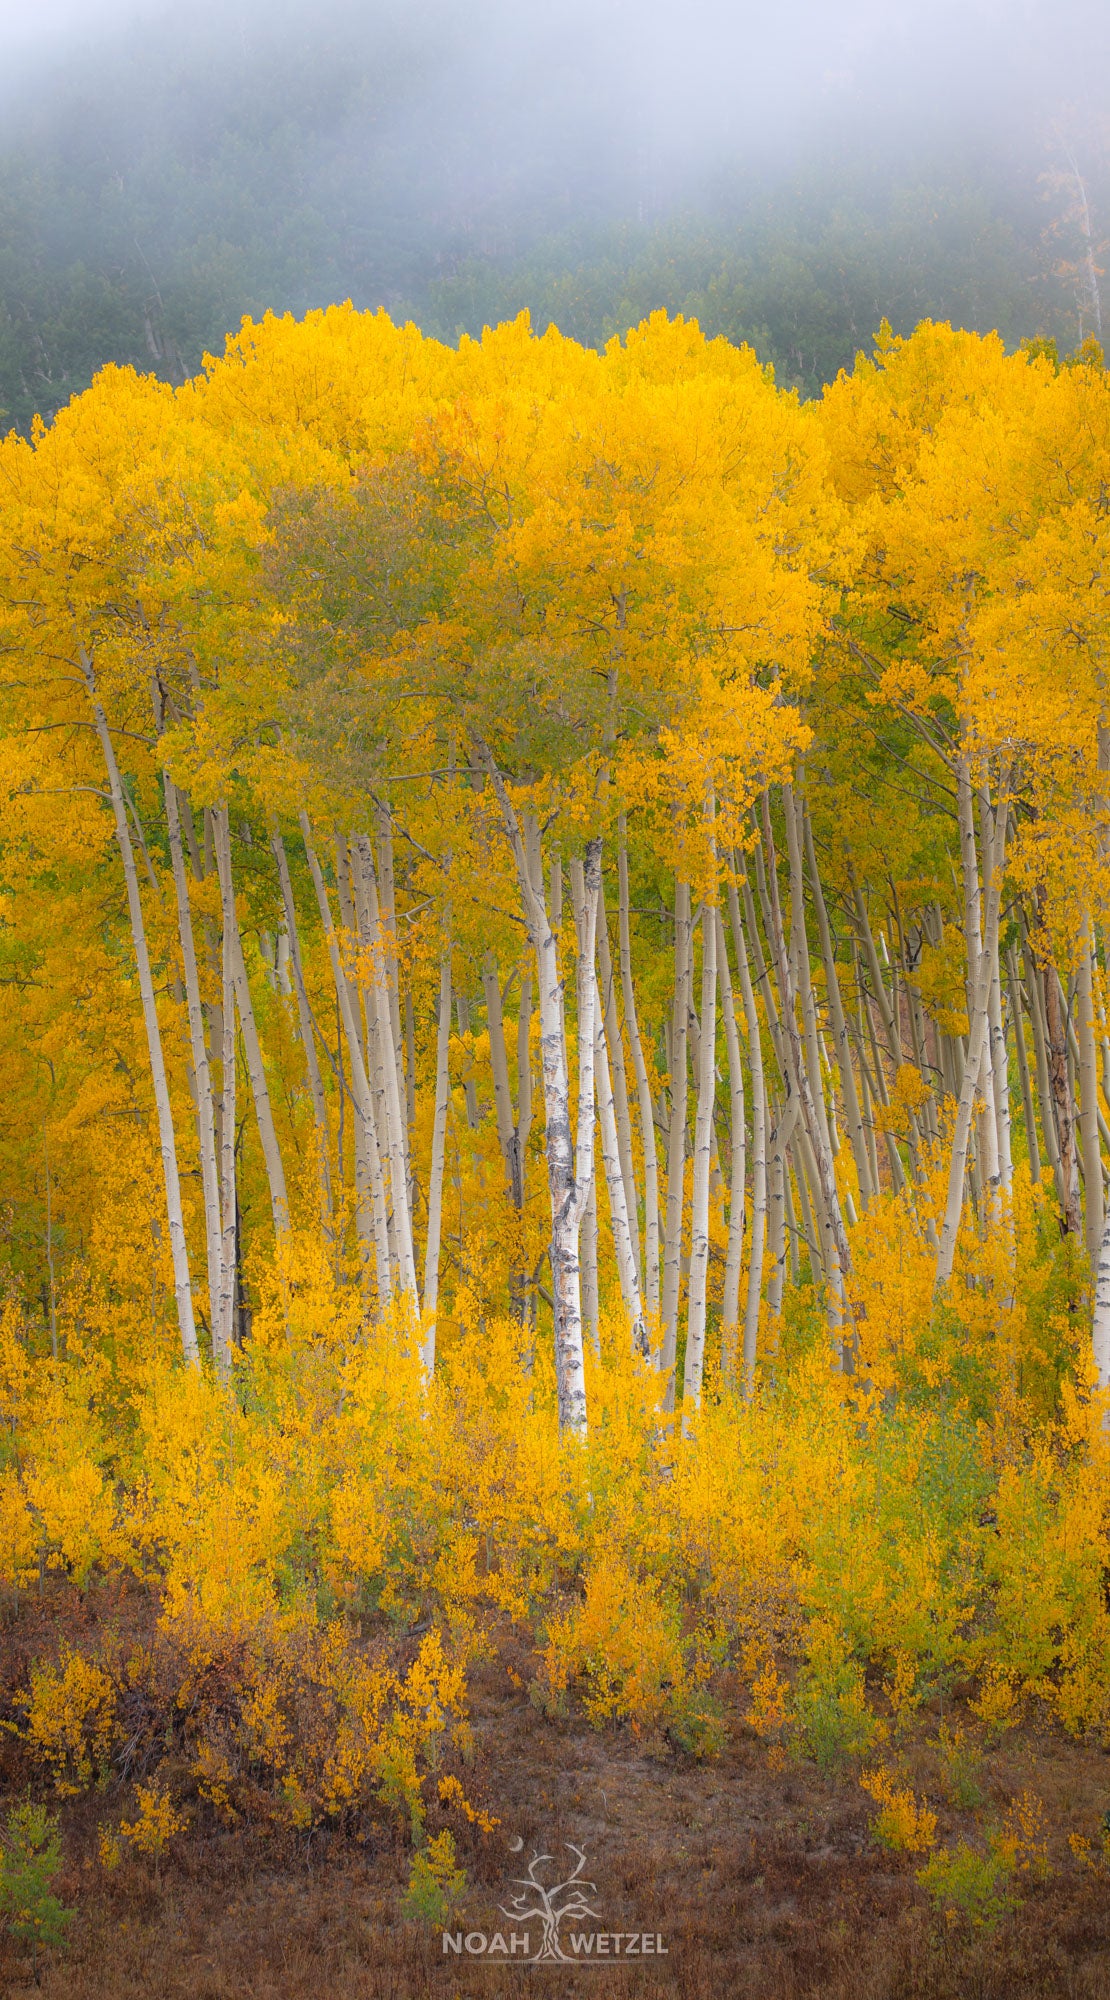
{"x":556,"y":1076}
{"x":169,"y":181}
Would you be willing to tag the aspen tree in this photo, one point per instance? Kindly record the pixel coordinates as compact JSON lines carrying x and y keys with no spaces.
{"x":759,"y":1143}
{"x":223,"y":1326}
{"x":841,"y":1042}
{"x":569,"y":1159}
{"x":703,"y":1133}
{"x":386,"y":1018}
{"x":994,"y":863}
{"x":430,"y":1295}
{"x":171,"y":1178}
{"x":676,"y":1137}
{"x":799,"y":1076}
{"x":643,"y":1090}
{"x":1088,"y":1097}
{"x":730,"y":1295}
{"x":374,"y":1195}
{"x":256,"y":1073}
{"x":615,"y":1045}
{"x":621,"y":1222}
{"x":210,"y":1184}
{"x":1022,"y":1053}
{"x":305,"y":1020}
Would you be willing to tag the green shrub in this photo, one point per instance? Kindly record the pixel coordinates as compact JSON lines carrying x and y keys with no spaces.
{"x":960,"y":1768}
{"x":436,"y":1883}
{"x":831,"y":1720}
{"x":30,"y":1860}
{"x":964,"y":1883}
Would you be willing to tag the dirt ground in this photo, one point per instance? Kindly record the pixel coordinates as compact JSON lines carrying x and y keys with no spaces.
{"x":757,"y":1883}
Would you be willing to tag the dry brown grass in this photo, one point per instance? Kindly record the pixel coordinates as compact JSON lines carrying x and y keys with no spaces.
{"x":766,"y":1886}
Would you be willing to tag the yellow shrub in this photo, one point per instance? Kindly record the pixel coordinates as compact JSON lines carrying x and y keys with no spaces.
{"x":624,"y":1641}
{"x":72,"y":1724}
{"x":157,"y":1823}
{"x":19,"y":1540}
{"x":1022,"y":1843}
{"x":900,"y":1823}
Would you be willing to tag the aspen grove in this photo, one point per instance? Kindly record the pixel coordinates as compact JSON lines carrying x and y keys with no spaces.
{"x":555,"y":940}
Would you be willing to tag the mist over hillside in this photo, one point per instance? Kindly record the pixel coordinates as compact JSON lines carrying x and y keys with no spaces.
{"x":789,"y":178}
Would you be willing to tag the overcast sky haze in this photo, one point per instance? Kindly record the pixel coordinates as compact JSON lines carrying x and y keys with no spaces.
{"x":694,"y":83}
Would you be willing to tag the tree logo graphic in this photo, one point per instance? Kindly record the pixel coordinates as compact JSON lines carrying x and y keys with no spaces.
{"x":552,"y":1903}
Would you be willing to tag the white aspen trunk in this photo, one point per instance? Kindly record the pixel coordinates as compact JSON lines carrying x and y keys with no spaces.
{"x":1088,"y":1097}
{"x":822,"y":1243}
{"x":410,"y":1088}
{"x":499,"y":1067}
{"x":587,"y":1252}
{"x":569,"y":1165}
{"x":776,"y":1146}
{"x":470,"y":1094}
{"x":764,"y":983}
{"x":988,"y":1129}
{"x":757,"y":1245}
{"x":643,"y":1093}
{"x":703,"y":1146}
{"x":1074,"y":1059}
{"x":1063,"y":1102}
{"x":730,"y":1297}
{"x":790,"y":1222}
{"x":994,"y":863}
{"x":853,"y":1117}
{"x":621,"y":1223}
{"x":435,"y":1174}
{"x":1100,"y":1325}
{"x":615,"y":1045}
{"x":370,"y":1213}
{"x":586,"y":1004}
{"x":587,"y":992}
{"x":271,"y":1151}
{"x":969,"y":862}
{"x":281,"y":966}
{"x":1100,"y":1010}
{"x":919,"y":1034}
{"x":386,"y":1017}
{"x":361,"y":932}
{"x":360,"y":1084}
{"x":206,"y":1137}
{"x":1000,"y":1077}
{"x":179,"y":1250}
{"x":1040,"y":1056}
{"x":676,"y":1139}
{"x":803,"y":1230}
{"x":305,"y":1022}
{"x":826,"y":1178}
{"x":523,"y":1080}
{"x":1023,"y":1068}
{"x":777,"y":1217}
{"x":583,"y":1186}
{"x":762,"y":976}
{"x":223,"y":1333}
{"x":881,"y":1095}
{"x":882,"y":998}
{"x":802,"y":982}
{"x":969,"y":865}
{"x":999,"y":1063}
{"x":388,"y":920}
{"x":867,"y":1102}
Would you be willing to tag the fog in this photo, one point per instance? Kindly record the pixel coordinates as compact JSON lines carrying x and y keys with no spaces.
{"x":166,"y":168}
{"x":648,"y":94}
